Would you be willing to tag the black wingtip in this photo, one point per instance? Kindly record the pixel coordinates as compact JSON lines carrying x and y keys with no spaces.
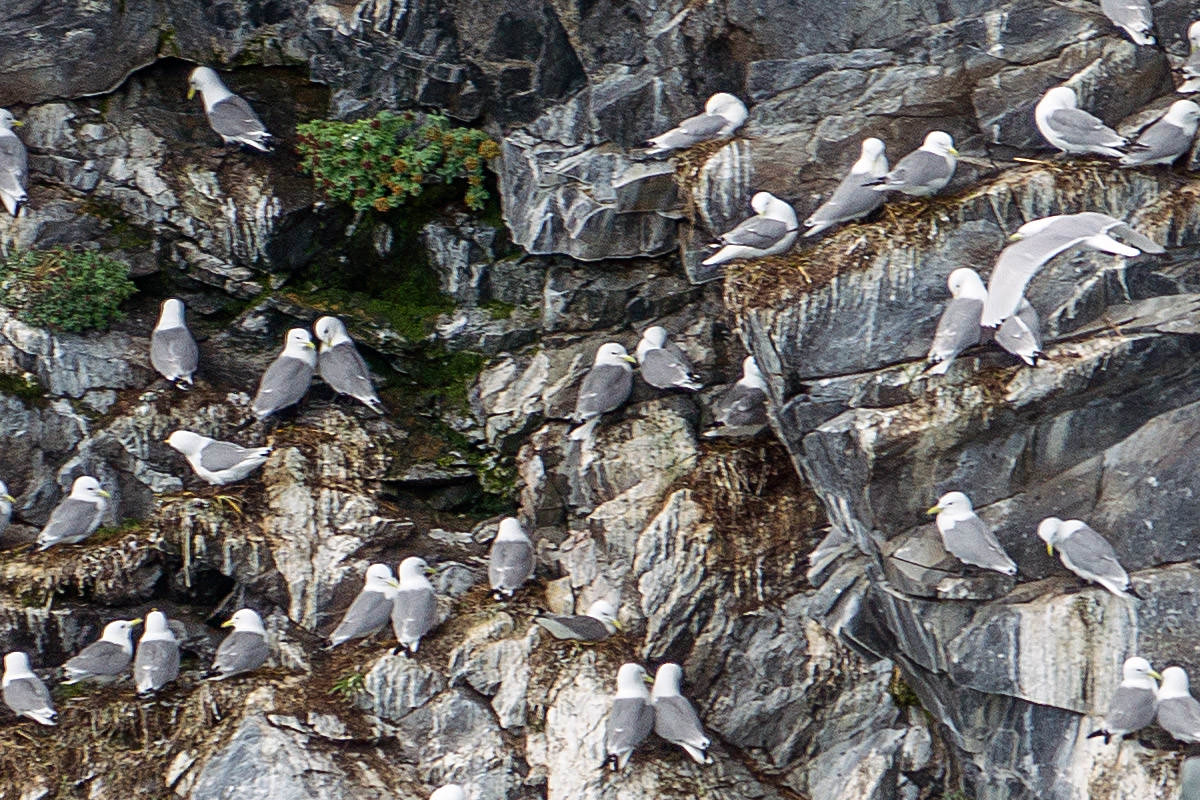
{"x":1107,"y":736}
{"x":1133,"y":592}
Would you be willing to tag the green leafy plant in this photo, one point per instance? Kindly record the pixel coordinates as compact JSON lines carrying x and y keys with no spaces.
{"x":380,"y":162}
{"x":64,"y":289}
{"x":349,"y":686}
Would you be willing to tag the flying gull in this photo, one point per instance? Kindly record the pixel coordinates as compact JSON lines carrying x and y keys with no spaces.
{"x":923,"y":172}
{"x":510,"y":562}
{"x":451,"y":791}
{"x":723,"y":114}
{"x":104,"y":660}
{"x":1191,"y":68}
{"x":77,"y":516}
{"x":1086,"y":553}
{"x":770,"y":232}
{"x":25,"y":693}
{"x":744,"y":405}
{"x":14,"y":169}
{"x":6,"y":505}
{"x":967,"y":537}
{"x":1133,"y":704}
{"x":341,"y":366}
{"x":958,"y":327}
{"x":243,"y":650}
{"x":156,"y":662}
{"x":596,"y":625}
{"x":1178,"y":712}
{"x":215,"y":461}
{"x":414,"y":607}
{"x":663,"y":365}
{"x":853,"y":198}
{"x":1135,"y":16}
{"x":371,"y":610}
{"x":229,"y":115}
{"x":1167,"y":139}
{"x":1073,"y":130}
{"x":605,"y":387}
{"x":1021,"y":334}
{"x":631,"y":717}
{"x":173,"y":351}
{"x":287,"y":379}
{"x":674,"y":718}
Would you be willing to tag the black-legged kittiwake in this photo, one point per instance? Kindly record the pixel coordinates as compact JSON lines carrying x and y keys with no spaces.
{"x":6,"y":507}
{"x":1134,"y":703}
{"x":24,"y":693}
{"x":341,"y":366}
{"x":77,"y":516}
{"x":229,"y":115}
{"x":289,"y":375}
{"x":1021,"y":334}
{"x":1136,"y":17}
{"x":173,"y":351}
{"x":156,"y":662}
{"x":1086,"y":553}
{"x":596,"y":625}
{"x":674,"y":717}
{"x":605,"y":387}
{"x":743,"y":405}
{"x":106,"y":659}
{"x":662,"y":364}
{"x":371,"y":609}
{"x":414,"y":605}
{"x":967,"y":537}
{"x":245,"y":649}
{"x":631,"y":717}
{"x":853,"y":198}
{"x":1167,"y":139}
{"x":1073,"y":130}
{"x":14,"y":166}
{"x":923,"y":172}
{"x":1178,"y":712}
{"x":958,"y":327}
{"x":1190,"y":69}
{"x":771,"y":231}
{"x":723,"y":114}
{"x":215,"y":461}
{"x":510,"y":561}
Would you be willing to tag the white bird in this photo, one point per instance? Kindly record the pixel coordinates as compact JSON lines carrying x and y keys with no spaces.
{"x":923,"y":172}
{"x":770,"y":232}
{"x":743,"y":405}
{"x":853,"y":198}
{"x":1190,"y":69}
{"x":341,"y":366}
{"x":1134,"y":16}
{"x":596,"y":625}
{"x":1073,"y":130}
{"x":173,"y":351}
{"x":1021,"y":334}
{"x":662,"y":364}
{"x":605,"y":387}
{"x":77,"y":516}
{"x":106,"y":659}
{"x":451,"y":791}
{"x":723,"y":114}
{"x":510,"y":562}
{"x":631,"y":717}
{"x":1134,"y":703}
{"x":229,"y":115}
{"x":414,"y":606}
{"x":243,"y":650}
{"x":967,"y":537}
{"x":1178,"y":712}
{"x":958,"y":327}
{"x":14,"y":166}
{"x":1086,"y":553}
{"x":24,"y":692}
{"x":156,"y":662}
{"x":371,"y":609}
{"x":1167,"y":139}
{"x":215,"y":461}
{"x":289,"y":375}
{"x":6,"y":505}
{"x":674,"y":717}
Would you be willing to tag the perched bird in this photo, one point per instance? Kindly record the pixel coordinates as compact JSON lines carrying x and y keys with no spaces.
{"x":1178,"y":712}
{"x":923,"y":172}
{"x":631,"y":717}
{"x":854,"y":197}
{"x":1072,"y":130}
{"x":744,"y":405}
{"x":596,"y":625}
{"x":341,"y":366}
{"x":414,"y":607}
{"x":243,"y":650}
{"x":218,"y":462}
{"x":1086,"y":553}
{"x":24,"y":692}
{"x":14,"y":168}
{"x":663,"y":365}
{"x":958,"y":327}
{"x":287,"y":379}
{"x":674,"y":718}
{"x":1167,"y":139}
{"x":723,"y":114}
{"x":510,"y":562}
{"x":173,"y":351}
{"x":605,"y":387}
{"x":967,"y":537}
{"x":1190,"y":69}
{"x":1135,"y":16}
{"x":1021,"y":334}
{"x":1134,"y":703}
{"x":451,"y":791}
{"x":6,"y":504}
{"x":77,"y":516}
{"x":104,"y":660}
{"x":156,"y":662}
{"x":770,"y":232}
{"x":1040,"y":240}
{"x":371,"y":610}
{"x":229,"y":115}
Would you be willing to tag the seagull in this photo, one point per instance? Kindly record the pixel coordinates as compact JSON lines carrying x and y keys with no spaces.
{"x":967,"y":537}
{"x":14,"y":167}
{"x":631,"y":717}
{"x":1073,"y":130}
{"x":451,"y":791}
{"x":6,"y":505}
{"x":371,"y":609}
{"x":173,"y":351}
{"x":1167,"y":139}
{"x":25,"y":693}
{"x":215,"y":461}
{"x":1191,"y":68}
{"x":723,"y":114}
{"x":853,"y":198}
{"x":605,"y":387}
{"x":958,"y":327}
{"x":1086,"y":553}
{"x":769,"y":233}
{"x":1021,"y":334}
{"x":510,"y":562}
{"x":414,"y":606}
{"x":104,"y":660}
{"x":229,"y":115}
{"x":77,"y":516}
{"x":1135,"y":16}
{"x":674,"y":717}
{"x":1133,"y":704}
{"x":923,"y":172}
{"x":596,"y":625}
{"x":287,"y":379}
{"x":663,"y":365}
{"x":341,"y":366}
{"x":157,"y":660}
{"x":744,"y":405}
{"x":1178,"y":712}
{"x":243,"y":650}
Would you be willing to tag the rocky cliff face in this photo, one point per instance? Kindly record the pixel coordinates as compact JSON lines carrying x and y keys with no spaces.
{"x":831,"y":647}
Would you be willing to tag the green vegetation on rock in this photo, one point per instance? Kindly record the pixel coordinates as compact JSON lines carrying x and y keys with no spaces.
{"x":23,"y":388}
{"x":64,"y":289}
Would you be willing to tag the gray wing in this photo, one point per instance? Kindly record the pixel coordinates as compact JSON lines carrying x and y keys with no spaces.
{"x":629,"y":722}
{"x":957,"y":330}
{"x":971,"y":541}
{"x":98,"y":658}
{"x":414,"y":612}
{"x":1135,"y":238}
{"x":761,"y":233}
{"x":1017,"y":265}
{"x":173,"y":352}
{"x":571,"y":626}
{"x":1021,"y":334}
{"x":1191,"y":67}
{"x":220,"y":456}
{"x":850,"y":200}
{"x":1189,"y":779}
{"x":368,"y":613}
{"x":72,"y":521}
{"x":27,"y":694}
{"x":1180,"y":717}
{"x":345,"y":371}
{"x":233,"y":117}
{"x":676,"y":721}
{"x":1081,"y":128}
{"x":283,"y":384}
{"x":1132,"y":15}
{"x":510,"y":564}
{"x":14,"y":168}
{"x":742,"y":406}
{"x":664,"y":369}
{"x":1161,"y":141}
{"x":241,"y":651}
{"x":155,"y":665}
{"x":604,"y":389}
{"x":1089,"y":555}
{"x":918,"y":169}
{"x":1131,"y":710}
{"x":692,"y":130}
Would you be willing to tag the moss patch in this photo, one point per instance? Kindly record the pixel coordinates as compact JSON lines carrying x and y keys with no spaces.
{"x":28,"y":391}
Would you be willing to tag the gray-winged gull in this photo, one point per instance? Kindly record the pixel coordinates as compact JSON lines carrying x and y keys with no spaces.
{"x":958,"y":327}
{"x":605,"y":387}
{"x":743,"y":406}
{"x":6,"y":506}
{"x":156,"y":662}
{"x":674,"y":717}
{"x":371,"y":609}
{"x":1021,"y":334}
{"x":414,"y":606}
{"x":1178,"y":712}
{"x":1190,"y":69}
{"x":510,"y":561}
{"x":215,"y":461}
{"x":1086,"y":553}
{"x":1134,"y":703}
{"x":77,"y":516}
{"x":923,"y":172}
{"x":24,"y":692}
{"x":1040,"y":240}
{"x":14,"y":167}
{"x":229,"y":115}
{"x":596,"y":625}
{"x":853,"y":198}
{"x":1167,"y":139}
{"x":173,"y":351}
{"x":245,"y":649}
{"x":1134,"y":16}
{"x":451,"y":791}
{"x":967,"y":537}
{"x":1073,"y":130}
{"x":341,"y":366}
{"x":105,"y":659}
{"x":770,"y":232}
{"x":289,"y":375}
{"x":723,"y":114}
{"x":662,"y":364}
{"x":631,"y":717}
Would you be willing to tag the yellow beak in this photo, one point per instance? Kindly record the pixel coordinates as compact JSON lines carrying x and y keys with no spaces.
{"x":103,"y":493}
{"x":1049,"y":549}
{"x":647,"y":679}
{"x":137,"y":621}
{"x":227,"y":623}
{"x":430,"y":571}
{"x":17,"y":123}
{"x":310,"y":345}
{"x":1154,"y":675}
{"x":616,"y":623}
{"x":952,"y":152}
{"x":630,"y":359}
{"x":395,"y":584}
{"x":191,"y":92}
{"x":934,"y":510}
{"x":10,"y":498}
